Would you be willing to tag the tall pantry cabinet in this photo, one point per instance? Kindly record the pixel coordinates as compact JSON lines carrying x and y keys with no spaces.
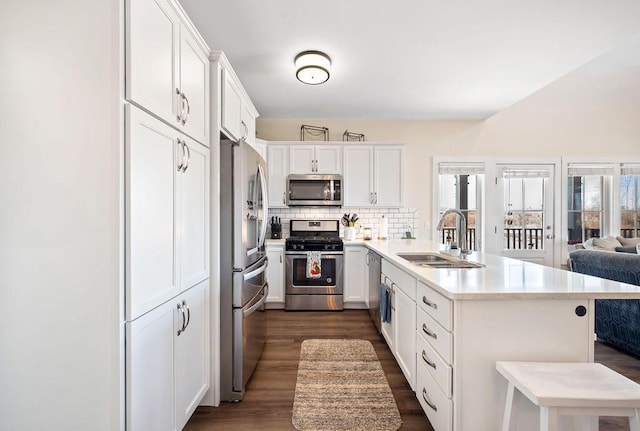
{"x":167,"y":172}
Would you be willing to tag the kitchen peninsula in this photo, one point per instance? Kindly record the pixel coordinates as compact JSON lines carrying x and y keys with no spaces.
{"x":449,"y":326}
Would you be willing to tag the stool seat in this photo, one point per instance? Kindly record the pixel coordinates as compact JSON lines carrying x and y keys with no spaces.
{"x":588,"y":389}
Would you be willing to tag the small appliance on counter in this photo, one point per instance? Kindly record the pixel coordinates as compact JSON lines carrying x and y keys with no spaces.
{"x":276,"y":228}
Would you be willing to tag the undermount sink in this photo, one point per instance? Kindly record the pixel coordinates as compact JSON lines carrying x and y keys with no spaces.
{"x":437,"y":260}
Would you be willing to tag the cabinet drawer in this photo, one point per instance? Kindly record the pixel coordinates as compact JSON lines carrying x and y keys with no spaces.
{"x":435,"y":304}
{"x":439,"y":338}
{"x":437,"y":406}
{"x":400,"y":278}
{"x":427,"y":358}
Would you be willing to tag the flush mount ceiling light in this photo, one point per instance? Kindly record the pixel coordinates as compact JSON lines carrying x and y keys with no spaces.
{"x":312,"y":67}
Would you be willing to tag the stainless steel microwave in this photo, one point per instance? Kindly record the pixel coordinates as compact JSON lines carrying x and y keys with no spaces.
{"x":314,"y":190}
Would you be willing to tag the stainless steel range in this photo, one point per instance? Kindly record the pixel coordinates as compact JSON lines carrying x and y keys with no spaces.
{"x":314,"y":288}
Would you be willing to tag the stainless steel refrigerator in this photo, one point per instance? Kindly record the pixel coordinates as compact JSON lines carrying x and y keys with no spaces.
{"x":243,"y":285}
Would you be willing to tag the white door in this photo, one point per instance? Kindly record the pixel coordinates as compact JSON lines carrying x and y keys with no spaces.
{"x":328,"y":159}
{"x":275,"y":273}
{"x":405,"y":335}
{"x":191,"y":352}
{"x":356,"y":275}
{"x":389,"y":176}
{"x":193,"y":212}
{"x":151,"y":56}
{"x":278,"y":167}
{"x":526,"y":221}
{"x":358,"y":176}
{"x":302,"y":159}
{"x":150,"y":391}
{"x":153,"y":154}
{"x":194,"y":78}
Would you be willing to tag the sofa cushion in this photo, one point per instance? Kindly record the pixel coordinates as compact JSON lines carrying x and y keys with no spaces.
{"x":627,"y":250}
{"x":608,"y":243}
{"x":628,"y":242}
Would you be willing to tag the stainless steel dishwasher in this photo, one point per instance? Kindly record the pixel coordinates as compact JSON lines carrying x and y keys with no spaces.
{"x":374,"y":261}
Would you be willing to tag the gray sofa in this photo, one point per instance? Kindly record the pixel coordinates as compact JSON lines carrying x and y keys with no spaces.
{"x":617,"y":320}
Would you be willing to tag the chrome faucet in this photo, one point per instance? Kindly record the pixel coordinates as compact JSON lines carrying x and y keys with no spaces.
{"x":461,"y":235}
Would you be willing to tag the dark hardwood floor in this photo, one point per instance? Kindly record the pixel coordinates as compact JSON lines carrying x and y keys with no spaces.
{"x":268,"y":400}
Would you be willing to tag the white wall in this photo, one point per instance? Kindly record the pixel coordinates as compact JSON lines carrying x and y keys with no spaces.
{"x":60,"y":215}
{"x":591,"y":112}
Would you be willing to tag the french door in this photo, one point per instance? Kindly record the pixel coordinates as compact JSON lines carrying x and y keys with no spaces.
{"x":524,"y":227}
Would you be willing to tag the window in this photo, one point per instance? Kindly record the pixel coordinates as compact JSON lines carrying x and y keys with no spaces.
{"x":630,"y":201}
{"x":586,"y":205}
{"x":459,"y":188}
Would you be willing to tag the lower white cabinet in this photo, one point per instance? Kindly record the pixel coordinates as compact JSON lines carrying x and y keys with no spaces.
{"x":356,"y":277}
{"x":387,"y":328}
{"x":275,"y":275}
{"x":405,"y":339}
{"x":167,"y":362}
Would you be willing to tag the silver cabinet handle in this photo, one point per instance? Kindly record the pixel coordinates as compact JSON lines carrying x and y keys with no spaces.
{"x":184,"y":303}
{"x":246,"y":131}
{"x":186,"y":115}
{"x":181,"y":102}
{"x":284,"y":198}
{"x":426,"y":400}
{"x":184,"y":320}
{"x":427,"y":361}
{"x":429,"y":333}
{"x":375,"y":198}
{"x":429,"y":303}
{"x":280,"y":257}
{"x":371,"y":198}
{"x":188,"y":154}
{"x":182,"y":162}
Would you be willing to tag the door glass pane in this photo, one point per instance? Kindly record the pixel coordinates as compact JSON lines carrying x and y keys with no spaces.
{"x":524,"y":213}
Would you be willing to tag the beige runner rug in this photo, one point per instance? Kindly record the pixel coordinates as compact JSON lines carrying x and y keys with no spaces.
{"x":341,"y":387}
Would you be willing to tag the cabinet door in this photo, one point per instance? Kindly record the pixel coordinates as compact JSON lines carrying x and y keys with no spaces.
{"x":328,"y":159}
{"x":152,"y":153}
{"x":387,"y":328}
{"x":358,"y":176}
{"x":193,"y":212}
{"x":152,"y":30}
{"x":356,"y":274}
{"x":248,"y":123}
{"x":275,"y":274}
{"x":302,"y":159}
{"x":192,"y":352}
{"x":149,"y":362}
{"x":278,"y":167}
{"x":194,"y":78}
{"x":405,"y":335}
{"x":231,"y":107}
{"x":389,"y":173}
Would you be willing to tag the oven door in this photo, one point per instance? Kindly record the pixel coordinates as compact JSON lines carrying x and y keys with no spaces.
{"x":329,"y":282}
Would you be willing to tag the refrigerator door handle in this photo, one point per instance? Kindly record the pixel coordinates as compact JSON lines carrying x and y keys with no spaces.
{"x":257,"y":271}
{"x":265,"y":207}
{"x":257,"y":305}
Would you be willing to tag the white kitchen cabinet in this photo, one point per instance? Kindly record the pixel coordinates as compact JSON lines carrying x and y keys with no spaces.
{"x":315,"y":159}
{"x":260,"y":145}
{"x":388,"y":328}
{"x":373,"y":175}
{"x":167,"y":216}
{"x":405,"y":339}
{"x":167,"y":361}
{"x":356,"y":277}
{"x":167,"y":67}
{"x":192,"y":353}
{"x":237,"y":116}
{"x":278,"y":169}
{"x":275,"y":275}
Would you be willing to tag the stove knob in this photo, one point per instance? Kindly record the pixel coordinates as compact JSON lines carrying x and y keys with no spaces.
{"x":301,"y":246}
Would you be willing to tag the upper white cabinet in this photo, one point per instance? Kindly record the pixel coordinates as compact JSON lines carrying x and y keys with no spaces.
{"x":237,"y":115}
{"x":167,"y":217}
{"x":315,"y":159}
{"x":373,"y":175}
{"x":278,"y":169}
{"x":167,"y":67}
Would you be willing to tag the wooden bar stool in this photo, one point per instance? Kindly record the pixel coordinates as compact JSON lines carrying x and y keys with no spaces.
{"x":569,"y":389}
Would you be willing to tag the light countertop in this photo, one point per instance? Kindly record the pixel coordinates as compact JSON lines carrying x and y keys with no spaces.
{"x":500,"y":278}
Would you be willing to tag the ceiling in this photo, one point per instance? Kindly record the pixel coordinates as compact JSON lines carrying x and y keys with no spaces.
{"x":421,"y":59}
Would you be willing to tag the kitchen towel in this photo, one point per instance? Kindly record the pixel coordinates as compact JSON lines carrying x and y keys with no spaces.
{"x":314,"y":264}
{"x":385,"y":303}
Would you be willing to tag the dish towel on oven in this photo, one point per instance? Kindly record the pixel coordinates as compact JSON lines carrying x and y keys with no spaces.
{"x":314,"y":264}
{"x":385,"y":303}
